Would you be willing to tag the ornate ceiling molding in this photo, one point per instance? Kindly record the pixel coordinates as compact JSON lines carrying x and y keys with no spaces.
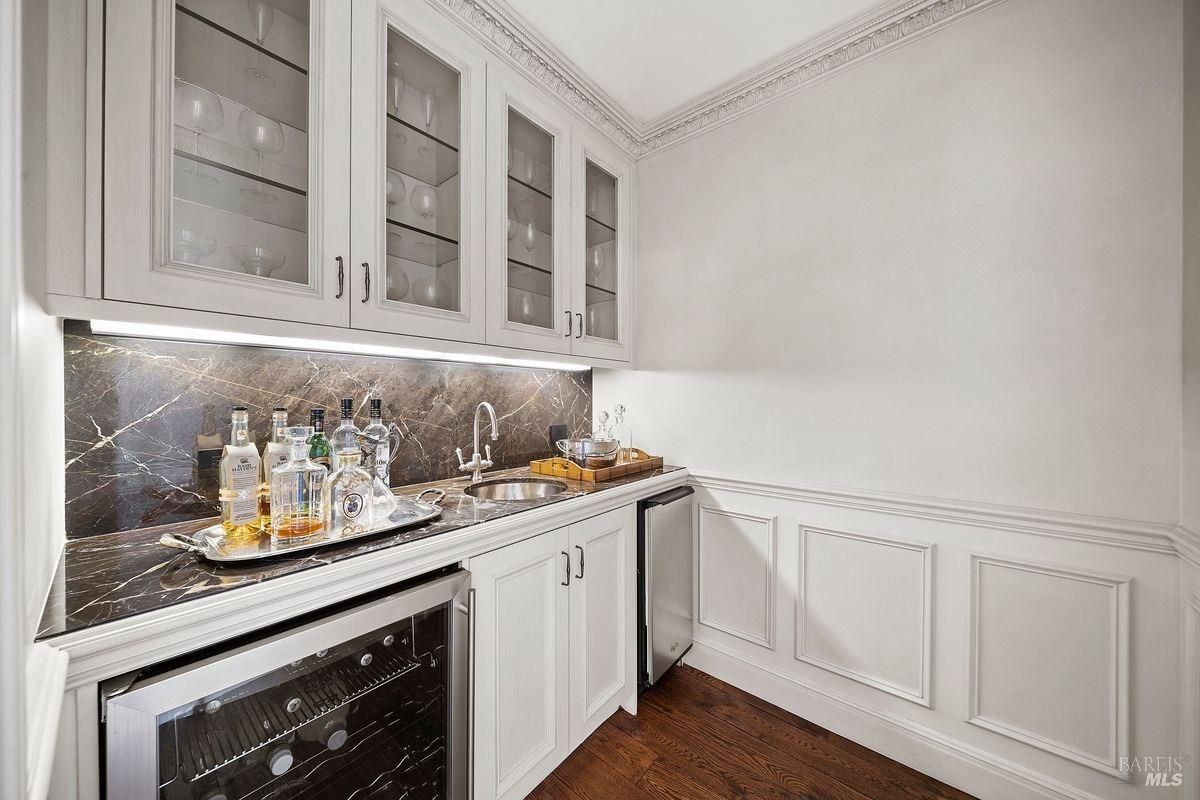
{"x":895,"y":23}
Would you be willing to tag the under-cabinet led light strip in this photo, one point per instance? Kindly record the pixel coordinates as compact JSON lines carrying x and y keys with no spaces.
{"x":152,"y":331}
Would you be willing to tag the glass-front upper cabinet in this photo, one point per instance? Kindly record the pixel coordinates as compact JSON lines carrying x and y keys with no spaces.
{"x":225,"y":150}
{"x":417,"y":182}
{"x":529,"y":231}
{"x":602,"y":249}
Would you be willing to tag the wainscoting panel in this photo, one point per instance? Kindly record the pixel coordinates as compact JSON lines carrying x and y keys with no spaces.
{"x":736,"y":574}
{"x":1050,"y":658}
{"x":865,"y":609}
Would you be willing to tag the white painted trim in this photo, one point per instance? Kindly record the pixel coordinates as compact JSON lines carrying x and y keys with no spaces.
{"x":104,"y":651}
{"x":899,"y":737}
{"x":45,"y":679}
{"x":769,"y":600}
{"x":1149,"y":536}
{"x":1119,"y":662}
{"x":1187,"y":544}
{"x":925,"y":696}
{"x":1190,"y":722}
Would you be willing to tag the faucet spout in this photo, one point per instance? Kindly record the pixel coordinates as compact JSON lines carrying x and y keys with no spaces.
{"x":479,"y":463}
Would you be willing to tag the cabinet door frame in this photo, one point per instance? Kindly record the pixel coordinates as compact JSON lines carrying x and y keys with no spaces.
{"x":589,"y":712}
{"x":139,"y":41}
{"x":487,"y":574}
{"x":505,"y":91}
{"x":372,"y":310}
{"x":589,"y":146}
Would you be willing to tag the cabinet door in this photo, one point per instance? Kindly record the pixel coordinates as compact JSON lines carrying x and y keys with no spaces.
{"x":602,"y":249}
{"x":417,"y":185}
{"x":603,"y":618}
{"x":529,"y":158}
{"x":225,"y":148}
{"x":520,"y":693}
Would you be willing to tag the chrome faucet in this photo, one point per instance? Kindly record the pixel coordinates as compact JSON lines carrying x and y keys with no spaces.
{"x":477,"y":465}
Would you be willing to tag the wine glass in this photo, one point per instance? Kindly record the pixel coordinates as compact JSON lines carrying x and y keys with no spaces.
{"x":525,"y":309}
{"x":191,"y":246}
{"x":397,"y":284}
{"x":593,"y":321}
{"x":529,"y":237}
{"x":593,"y":201}
{"x":265,"y":137}
{"x":202,"y":112}
{"x":256,"y":260}
{"x":396,"y":190}
{"x":262,"y":14}
{"x":424,"y":201}
{"x":424,"y":292}
{"x":596,"y":261}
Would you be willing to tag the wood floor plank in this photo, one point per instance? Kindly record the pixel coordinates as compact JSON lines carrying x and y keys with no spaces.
{"x":697,"y":738}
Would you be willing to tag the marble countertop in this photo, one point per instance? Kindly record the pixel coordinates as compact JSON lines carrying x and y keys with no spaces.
{"x":113,"y":576}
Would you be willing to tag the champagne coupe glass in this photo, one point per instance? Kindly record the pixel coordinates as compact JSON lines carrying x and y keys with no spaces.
{"x":428,"y":103}
{"x":424,"y":201}
{"x":262,"y":14}
{"x":256,"y":259}
{"x":396,"y":190}
{"x":202,"y":112}
{"x":191,"y":246}
{"x":529,"y":234}
{"x":264,"y":136}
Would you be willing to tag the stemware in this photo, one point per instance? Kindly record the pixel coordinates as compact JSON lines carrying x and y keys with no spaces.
{"x":428,"y":102}
{"x":262,"y":14}
{"x":593,"y":321}
{"x":191,"y":246}
{"x":397,"y":284}
{"x":396,"y":190}
{"x":424,"y":292}
{"x":596,"y":261}
{"x":529,"y":234}
{"x":424,"y":201}
{"x":256,"y":260}
{"x":265,"y":137}
{"x":202,"y":112}
{"x":525,"y":309}
{"x":395,"y":91}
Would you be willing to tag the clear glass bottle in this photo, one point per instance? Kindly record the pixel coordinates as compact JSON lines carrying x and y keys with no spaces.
{"x":624,"y":435}
{"x":347,"y":497}
{"x":345,"y":437}
{"x":377,"y":432}
{"x":297,"y":497}
{"x":318,"y":445}
{"x":241,"y":476}
{"x":275,"y":454}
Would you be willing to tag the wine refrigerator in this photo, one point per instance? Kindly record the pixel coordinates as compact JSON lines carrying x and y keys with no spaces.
{"x":366,"y":703}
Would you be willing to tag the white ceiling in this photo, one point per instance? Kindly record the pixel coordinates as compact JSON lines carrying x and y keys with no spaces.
{"x":653,"y":56}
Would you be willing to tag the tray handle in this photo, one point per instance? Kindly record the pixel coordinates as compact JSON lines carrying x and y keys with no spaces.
{"x":181,"y":542}
{"x":441,"y":494}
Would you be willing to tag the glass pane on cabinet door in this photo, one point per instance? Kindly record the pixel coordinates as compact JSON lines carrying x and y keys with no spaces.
{"x":600,"y":256}
{"x":530,"y":223}
{"x":422,"y":188}
{"x":240,"y":138}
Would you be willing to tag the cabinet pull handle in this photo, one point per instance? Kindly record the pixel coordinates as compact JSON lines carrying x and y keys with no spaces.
{"x":366,"y":282}
{"x":569,"y":320}
{"x":567,"y":579}
{"x":579,"y":333}
{"x":580,"y":549}
{"x":341,"y":278}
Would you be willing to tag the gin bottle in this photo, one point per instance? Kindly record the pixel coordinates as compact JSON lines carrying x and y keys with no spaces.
{"x":318,"y":445}
{"x":275,"y":455}
{"x":241,"y":476}
{"x":297,"y":510}
{"x":347,"y":497}
{"x":345,"y":437}
{"x":379,"y":438}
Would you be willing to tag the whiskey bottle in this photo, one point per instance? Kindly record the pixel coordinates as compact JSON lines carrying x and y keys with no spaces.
{"x":318,"y":445}
{"x":296,"y":492}
{"x":345,"y":437}
{"x":275,"y":454}
{"x":347,"y":497}
{"x":241,"y":476}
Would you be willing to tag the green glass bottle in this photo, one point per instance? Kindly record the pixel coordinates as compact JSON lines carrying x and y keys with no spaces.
{"x":318,"y":446}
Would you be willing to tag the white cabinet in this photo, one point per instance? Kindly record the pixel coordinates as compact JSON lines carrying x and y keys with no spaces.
{"x":554,"y":648}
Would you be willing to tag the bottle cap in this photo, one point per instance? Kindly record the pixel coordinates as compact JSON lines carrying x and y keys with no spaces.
{"x":348,"y":407}
{"x":279,"y":408}
{"x":239,"y":408}
{"x":376,"y":404}
{"x":317,"y":413}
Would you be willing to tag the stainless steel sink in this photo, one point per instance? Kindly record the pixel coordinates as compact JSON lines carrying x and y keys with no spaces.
{"x":515,"y":489}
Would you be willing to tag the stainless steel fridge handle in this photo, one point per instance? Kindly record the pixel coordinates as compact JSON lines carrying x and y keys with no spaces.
{"x":471,"y":697}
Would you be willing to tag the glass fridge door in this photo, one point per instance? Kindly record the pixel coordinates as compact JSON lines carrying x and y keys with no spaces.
{"x":366,"y":704}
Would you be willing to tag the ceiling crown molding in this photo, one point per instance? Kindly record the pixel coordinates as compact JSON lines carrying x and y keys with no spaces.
{"x":894,"y":23}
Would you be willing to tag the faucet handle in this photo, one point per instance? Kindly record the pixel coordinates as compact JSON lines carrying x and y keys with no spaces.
{"x":487,"y":455}
{"x":462,"y":465}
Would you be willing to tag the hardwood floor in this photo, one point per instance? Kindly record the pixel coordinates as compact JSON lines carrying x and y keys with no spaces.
{"x":697,"y":738}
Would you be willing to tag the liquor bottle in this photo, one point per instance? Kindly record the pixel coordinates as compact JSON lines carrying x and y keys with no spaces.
{"x":378,"y":433}
{"x":345,"y":437}
{"x":275,"y":454}
{"x":347,"y":497}
{"x":318,"y":445}
{"x":624,"y":436}
{"x":241,"y":476}
{"x":296,"y":492}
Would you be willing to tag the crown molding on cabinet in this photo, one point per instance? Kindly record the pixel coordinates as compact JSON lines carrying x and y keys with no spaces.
{"x":893,"y":23}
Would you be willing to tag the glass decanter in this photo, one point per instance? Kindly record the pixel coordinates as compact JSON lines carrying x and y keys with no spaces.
{"x":347,"y":496}
{"x":622,"y":433}
{"x":297,"y":501}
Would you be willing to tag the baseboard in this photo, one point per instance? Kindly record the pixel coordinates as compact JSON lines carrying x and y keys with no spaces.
{"x":931,"y":752}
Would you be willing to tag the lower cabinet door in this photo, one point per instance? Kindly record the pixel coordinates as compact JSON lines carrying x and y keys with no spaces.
{"x":603,"y":656}
{"x":521,"y":649}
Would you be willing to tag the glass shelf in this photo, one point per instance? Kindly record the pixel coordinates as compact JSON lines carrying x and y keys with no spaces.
{"x":424,"y":247}
{"x":239,"y":38}
{"x":598,"y":232}
{"x":208,"y":183}
{"x":415,"y":153}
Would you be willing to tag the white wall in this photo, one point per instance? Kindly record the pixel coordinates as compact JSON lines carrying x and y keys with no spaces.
{"x":951,"y":271}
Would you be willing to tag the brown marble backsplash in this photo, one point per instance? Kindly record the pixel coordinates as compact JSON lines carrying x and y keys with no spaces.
{"x":143,"y":416}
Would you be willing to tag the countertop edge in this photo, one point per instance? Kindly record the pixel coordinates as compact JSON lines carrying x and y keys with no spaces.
{"x":109,"y":649}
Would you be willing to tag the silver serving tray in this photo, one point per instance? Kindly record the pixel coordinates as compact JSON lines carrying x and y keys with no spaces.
{"x":210,"y":542}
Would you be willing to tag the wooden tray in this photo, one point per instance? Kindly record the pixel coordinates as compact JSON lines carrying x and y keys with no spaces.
{"x":562,"y":468}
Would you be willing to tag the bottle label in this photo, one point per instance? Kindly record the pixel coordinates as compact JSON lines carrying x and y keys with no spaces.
{"x":243,"y":484}
{"x":352,"y":505}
